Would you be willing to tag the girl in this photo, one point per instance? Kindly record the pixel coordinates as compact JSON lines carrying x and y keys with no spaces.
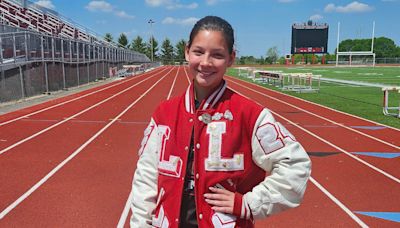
{"x":205,"y":155}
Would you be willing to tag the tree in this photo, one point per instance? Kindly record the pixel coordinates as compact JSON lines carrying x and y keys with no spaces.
{"x":122,"y":40}
{"x":108,"y":37}
{"x":272,"y":55}
{"x":138,"y":45}
{"x":167,"y":52}
{"x":149,"y":49}
{"x":180,"y":50}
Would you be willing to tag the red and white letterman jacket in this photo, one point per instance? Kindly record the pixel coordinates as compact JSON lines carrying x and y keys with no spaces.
{"x":236,"y":143}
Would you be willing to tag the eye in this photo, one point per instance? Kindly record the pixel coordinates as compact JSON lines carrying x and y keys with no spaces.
{"x":197,"y":52}
{"x":219,"y":56}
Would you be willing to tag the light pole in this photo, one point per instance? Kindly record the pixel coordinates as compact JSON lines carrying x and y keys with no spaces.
{"x":151,"y":22}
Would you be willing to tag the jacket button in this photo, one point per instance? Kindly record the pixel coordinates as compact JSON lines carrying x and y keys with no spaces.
{"x":200,"y":216}
{"x":198,"y":145}
{"x":197,"y":176}
{"x":201,"y":118}
{"x":186,"y":148}
{"x":190,"y":120}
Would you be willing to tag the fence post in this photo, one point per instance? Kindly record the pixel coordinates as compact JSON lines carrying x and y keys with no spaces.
{"x":77,"y":61}
{"x":62,"y":64}
{"x":1,"y":50}
{"x":44,"y":65}
{"x":21,"y":76}
{"x":26,"y":47}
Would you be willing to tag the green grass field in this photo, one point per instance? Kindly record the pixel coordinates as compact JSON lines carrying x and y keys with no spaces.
{"x":363,"y":101}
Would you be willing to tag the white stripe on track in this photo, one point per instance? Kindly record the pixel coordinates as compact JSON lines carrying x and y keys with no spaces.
{"x":73,"y":116}
{"x":173,"y":83}
{"x":76,"y":152}
{"x":340,"y":204}
{"x":74,"y":99}
{"x":321,"y":117}
{"x":125,"y":212}
{"x":332,"y":145}
{"x":187,"y":76}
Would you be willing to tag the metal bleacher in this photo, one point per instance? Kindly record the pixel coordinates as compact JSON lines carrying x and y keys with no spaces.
{"x":42,"y":51}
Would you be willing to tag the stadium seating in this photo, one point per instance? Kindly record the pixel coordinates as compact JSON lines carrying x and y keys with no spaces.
{"x":37,"y":18}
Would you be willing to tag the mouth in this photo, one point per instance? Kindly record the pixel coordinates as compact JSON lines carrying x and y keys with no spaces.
{"x":205,"y":73}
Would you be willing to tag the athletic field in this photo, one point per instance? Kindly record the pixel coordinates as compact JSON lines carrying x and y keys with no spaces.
{"x":356,"y":90}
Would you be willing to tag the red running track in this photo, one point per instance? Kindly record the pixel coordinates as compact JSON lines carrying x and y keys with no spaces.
{"x":69,"y":162}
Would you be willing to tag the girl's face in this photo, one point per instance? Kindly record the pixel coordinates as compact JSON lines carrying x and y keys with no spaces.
{"x":208,"y":59}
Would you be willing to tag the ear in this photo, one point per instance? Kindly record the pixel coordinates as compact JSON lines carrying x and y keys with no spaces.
{"x":232,"y":58}
{"x":187,"y":53}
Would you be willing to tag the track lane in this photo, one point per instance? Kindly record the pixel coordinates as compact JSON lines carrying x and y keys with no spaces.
{"x":346,"y":141}
{"x":13,"y":138}
{"x":113,"y":154}
{"x":45,"y":106}
{"x":63,"y":140}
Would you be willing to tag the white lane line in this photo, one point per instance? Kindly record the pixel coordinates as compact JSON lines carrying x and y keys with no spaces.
{"x":173,"y":83}
{"x":331,"y":144}
{"x":340,"y":204}
{"x":125,"y":212}
{"x":74,"y":99}
{"x":187,"y":76}
{"x":322,"y":106}
{"x":73,"y":116}
{"x":76,"y":152}
{"x":321,"y":117}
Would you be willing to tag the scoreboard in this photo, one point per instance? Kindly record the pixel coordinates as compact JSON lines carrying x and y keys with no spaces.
{"x":309,"y":38}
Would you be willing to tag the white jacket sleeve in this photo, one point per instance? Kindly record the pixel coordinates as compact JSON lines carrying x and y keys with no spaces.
{"x":276,"y":151}
{"x":144,"y":187}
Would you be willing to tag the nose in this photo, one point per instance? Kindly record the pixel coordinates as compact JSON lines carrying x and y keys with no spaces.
{"x":206,"y":60}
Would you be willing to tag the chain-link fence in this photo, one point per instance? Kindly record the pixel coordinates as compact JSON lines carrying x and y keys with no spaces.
{"x":32,"y":63}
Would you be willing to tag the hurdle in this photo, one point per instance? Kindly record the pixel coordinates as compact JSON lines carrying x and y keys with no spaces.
{"x":302,"y":82}
{"x":387,"y":110}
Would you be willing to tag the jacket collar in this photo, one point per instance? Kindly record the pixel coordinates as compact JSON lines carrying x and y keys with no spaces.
{"x":209,"y":102}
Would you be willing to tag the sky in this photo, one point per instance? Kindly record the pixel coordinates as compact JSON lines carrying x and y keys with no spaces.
{"x":258,"y":24}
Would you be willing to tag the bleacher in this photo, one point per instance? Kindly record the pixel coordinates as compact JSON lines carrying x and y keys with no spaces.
{"x":42,"y":51}
{"x":27,"y":15}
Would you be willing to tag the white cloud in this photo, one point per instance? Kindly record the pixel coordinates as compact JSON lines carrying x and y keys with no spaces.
{"x":354,"y":7}
{"x":171,"y":4}
{"x":214,"y":2}
{"x":181,"y":6}
{"x":103,"y":6}
{"x":99,"y":6}
{"x":123,"y":14}
{"x":187,"y":21}
{"x":316,"y":17}
{"x":45,"y":3}
{"x":389,"y":0}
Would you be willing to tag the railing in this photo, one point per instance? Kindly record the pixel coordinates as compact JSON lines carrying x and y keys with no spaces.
{"x":32,"y":63}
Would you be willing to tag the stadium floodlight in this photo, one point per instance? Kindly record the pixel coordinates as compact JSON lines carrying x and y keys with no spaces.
{"x":151,"y":22}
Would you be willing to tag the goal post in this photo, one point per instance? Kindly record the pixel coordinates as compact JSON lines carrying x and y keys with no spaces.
{"x":356,"y":58}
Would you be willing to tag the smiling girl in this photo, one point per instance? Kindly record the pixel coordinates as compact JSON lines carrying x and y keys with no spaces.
{"x":212,"y":158}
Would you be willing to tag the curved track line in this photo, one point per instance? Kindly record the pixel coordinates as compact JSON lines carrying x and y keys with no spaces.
{"x":310,"y":102}
{"x":73,"y":116}
{"x":76,"y":152}
{"x":331,"y":144}
{"x":321,"y":117}
{"x":68,"y":101}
